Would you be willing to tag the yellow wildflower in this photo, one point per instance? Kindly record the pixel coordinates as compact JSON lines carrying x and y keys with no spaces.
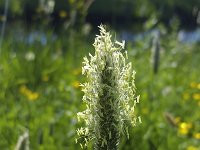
{"x":62,"y":14}
{"x":186,"y":125}
{"x":198,"y":86}
{"x":186,"y":96}
{"x":196,"y":135}
{"x":184,"y":128}
{"x":183,"y":131}
{"x":33,"y":96}
{"x":196,"y":96}
{"x":28,"y":93}
{"x":22,"y":89}
{"x":193,"y":84}
{"x":76,"y":84}
{"x":192,"y":148}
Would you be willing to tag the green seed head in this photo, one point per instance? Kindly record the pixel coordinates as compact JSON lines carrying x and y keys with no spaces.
{"x":108,"y":94}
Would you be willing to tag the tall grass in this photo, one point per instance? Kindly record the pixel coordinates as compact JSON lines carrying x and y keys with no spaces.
{"x":55,"y":75}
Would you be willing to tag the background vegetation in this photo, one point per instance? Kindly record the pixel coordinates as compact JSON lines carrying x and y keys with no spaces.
{"x":40,"y":70}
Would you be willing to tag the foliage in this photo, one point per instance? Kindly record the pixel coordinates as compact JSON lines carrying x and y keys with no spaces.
{"x":40,"y":93}
{"x":76,"y":11}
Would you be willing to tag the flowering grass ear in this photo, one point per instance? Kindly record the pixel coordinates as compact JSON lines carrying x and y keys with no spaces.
{"x":108,"y":94}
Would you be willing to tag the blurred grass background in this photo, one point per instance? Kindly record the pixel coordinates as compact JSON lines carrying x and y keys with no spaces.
{"x":41,"y":53}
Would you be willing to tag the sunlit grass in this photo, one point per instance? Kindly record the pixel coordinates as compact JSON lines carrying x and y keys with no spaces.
{"x":40,"y":93}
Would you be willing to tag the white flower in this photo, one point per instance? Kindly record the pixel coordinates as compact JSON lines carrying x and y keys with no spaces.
{"x":30,"y":56}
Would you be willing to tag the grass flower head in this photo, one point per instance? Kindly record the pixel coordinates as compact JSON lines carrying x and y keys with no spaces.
{"x":108,"y":94}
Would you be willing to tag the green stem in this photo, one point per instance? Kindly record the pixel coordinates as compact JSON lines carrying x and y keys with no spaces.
{"x":108,"y":123}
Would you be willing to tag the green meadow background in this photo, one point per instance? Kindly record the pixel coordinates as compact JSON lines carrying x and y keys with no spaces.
{"x":42,"y":45}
